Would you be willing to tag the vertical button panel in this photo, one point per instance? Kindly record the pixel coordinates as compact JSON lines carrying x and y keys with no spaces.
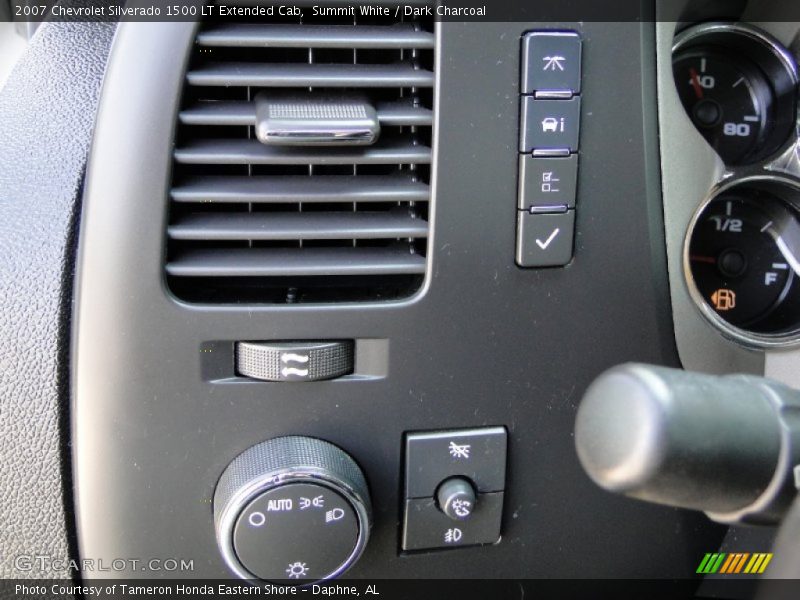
{"x":551,"y":61}
{"x":550,"y":112}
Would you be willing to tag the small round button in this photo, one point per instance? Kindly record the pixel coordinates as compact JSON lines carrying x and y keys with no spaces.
{"x":456,"y":498}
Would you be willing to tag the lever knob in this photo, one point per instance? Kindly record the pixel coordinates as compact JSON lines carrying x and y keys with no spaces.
{"x":723,"y":445}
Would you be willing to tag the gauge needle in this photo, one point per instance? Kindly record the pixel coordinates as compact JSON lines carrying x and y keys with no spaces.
{"x":698,"y":89}
{"x":788,"y":246}
{"x":705,"y":259}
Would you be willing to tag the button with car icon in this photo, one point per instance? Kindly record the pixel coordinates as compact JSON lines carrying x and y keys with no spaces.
{"x":550,"y":124}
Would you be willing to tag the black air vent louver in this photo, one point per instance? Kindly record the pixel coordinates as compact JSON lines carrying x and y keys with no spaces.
{"x":257,"y":223}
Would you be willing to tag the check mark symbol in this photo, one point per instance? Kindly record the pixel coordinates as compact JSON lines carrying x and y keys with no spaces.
{"x":544,"y":244}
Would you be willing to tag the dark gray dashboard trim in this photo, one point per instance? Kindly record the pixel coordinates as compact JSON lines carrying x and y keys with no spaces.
{"x":146,"y":64}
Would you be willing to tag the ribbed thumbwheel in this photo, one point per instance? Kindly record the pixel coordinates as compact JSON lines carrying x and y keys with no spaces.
{"x":292,"y":509}
{"x":294,"y":361}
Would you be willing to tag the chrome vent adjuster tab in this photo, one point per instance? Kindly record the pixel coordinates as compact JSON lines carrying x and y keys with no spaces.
{"x":302,"y":162}
{"x":310,"y":120}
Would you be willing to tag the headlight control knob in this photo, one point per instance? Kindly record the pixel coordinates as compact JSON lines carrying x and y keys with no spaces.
{"x":292,"y":509}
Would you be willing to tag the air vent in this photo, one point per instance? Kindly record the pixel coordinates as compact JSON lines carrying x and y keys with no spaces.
{"x":255,"y":222}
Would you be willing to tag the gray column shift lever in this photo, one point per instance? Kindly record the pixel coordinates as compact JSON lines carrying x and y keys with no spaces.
{"x":723,"y":445}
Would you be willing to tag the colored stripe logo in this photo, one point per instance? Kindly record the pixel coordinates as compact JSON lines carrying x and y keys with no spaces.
{"x":735,"y":562}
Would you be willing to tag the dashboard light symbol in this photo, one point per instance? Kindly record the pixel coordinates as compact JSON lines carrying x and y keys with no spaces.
{"x":723,"y":299}
{"x":257,"y":519}
{"x":297,"y":570}
{"x":553,"y":63}
{"x":459,"y":450}
{"x":453,"y":536}
{"x":462,"y":508}
{"x":334,"y":515}
{"x":553,"y":125}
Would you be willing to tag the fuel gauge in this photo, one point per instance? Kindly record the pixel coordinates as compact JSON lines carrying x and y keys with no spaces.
{"x":742,"y":260}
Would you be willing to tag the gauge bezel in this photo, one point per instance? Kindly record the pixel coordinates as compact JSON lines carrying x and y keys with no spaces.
{"x":751,"y":339}
{"x":770,"y":56}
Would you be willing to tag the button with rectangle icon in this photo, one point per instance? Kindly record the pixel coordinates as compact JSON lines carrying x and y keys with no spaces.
{"x":547,"y":182}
